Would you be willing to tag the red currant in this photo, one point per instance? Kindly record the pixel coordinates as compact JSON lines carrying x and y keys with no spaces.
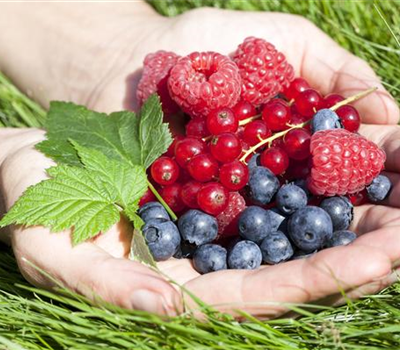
{"x":197,"y":128}
{"x":350,"y":118}
{"x":203,"y":167}
{"x":171,"y":149}
{"x":244,"y":110}
{"x":213,"y":198}
{"x":332,"y":99}
{"x":222,"y":120}
{"x":308,"y":102}
{"x":189,"y":193}
{"x":275,"y":159}
{"x":297,"y":143}
{"x":225,"y":147}
{"x":171,"y":195}
{"x":234,"y":175}
{"x":359,"y":198}
{"x":147,"y":197}
{"x":164,"y":171}
{"x":297,"y":86}
{"x":255,"y":131}
{"x":276,"y":114}
{"x":188,"y":148}
{"x":297,"y":118}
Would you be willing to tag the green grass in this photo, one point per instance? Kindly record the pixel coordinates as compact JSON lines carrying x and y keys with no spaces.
{"x":36,"y":319}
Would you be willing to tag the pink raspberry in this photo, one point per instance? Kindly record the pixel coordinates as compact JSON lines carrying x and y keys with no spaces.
{"x":342,"y":162}
{"x":227,"y":220}
{"x":203,"y":81}
{"x":156,"y":69}
{"x":264,"y":70}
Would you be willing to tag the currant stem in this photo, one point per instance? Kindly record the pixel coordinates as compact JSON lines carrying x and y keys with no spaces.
{"x":353,"y":98}
{"x":161,"y":200}
{"x":270,"y":139}
{"x":249,"y":120}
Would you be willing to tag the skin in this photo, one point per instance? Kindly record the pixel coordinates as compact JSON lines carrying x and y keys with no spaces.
{"x":99,"y":67}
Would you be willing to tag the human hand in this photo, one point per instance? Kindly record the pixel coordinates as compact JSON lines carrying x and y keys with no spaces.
{"x":97,"y":266}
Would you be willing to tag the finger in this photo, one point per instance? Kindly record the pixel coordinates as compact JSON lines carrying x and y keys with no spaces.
{"x":90,"y":271}
{"x":331,"y":68}
{"x":262,"y":292}
{"x":372,"y":217}
{"x":387,"y":137}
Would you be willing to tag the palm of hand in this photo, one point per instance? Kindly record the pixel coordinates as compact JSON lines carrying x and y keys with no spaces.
{"x":97,"y":267}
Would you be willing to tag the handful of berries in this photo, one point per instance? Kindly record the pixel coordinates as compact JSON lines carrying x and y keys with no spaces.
{"x":268,"y":170}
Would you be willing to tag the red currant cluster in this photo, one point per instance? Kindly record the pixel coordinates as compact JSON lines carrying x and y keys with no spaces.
{"x":202,"y":167}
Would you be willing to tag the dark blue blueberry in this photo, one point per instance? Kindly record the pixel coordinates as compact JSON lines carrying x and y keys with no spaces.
{"x":153,"y":210}
{"x":209,"y":258}
{"x":254,"y":224}
{"x":263,"y":185}
{"x":197,"y":227}
{"x":302,"y":183}
{"x":325,"y":119}
{"x":379,"y":188}
{"x":290,"y":198}
{"x":300,"y":254}
{"x":254,"y":161}
{"x":276,"y":248}
{"x":276,"y":218}
{"x":310,"y":228}
{"x":162,"y":237}
{"x":342,"y":237}
{"x":185,"y":251}
{"x":245,"y":255}
{"x":340,"y":210}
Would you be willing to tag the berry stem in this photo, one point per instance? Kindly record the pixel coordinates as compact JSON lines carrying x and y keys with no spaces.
{"x":161,"y":200}
{"x":249,"y":120}
{"x":353,"y":98}
{"x":270,"y":139}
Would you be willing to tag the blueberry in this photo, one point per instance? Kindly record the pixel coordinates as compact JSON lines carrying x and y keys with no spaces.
{"x":197,"y":227}
{"x":153,"y":210}
{"x":185,"y":251}
{"x":290,"y":198}
{"x":209,"y":258}
{"x":309,"y":228}
{"x":340,"y":210}
{"x":263,"y":185}
{"x":379,"y":188}
{"x":254,"y":224}
{"x":276,"y":218}
{"x":302,"y":183}
{"x":254,"y":161}
{"x":276,"y":248}
{"x":245,"y":255}
{"x":342,"y":237}
{"x":325,"y":119}
{"x":162,"y":237}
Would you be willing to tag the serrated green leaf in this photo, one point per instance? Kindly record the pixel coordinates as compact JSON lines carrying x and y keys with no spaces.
{"x":139,"y":250}
{"x":127,"y":183}
{"x":88,"y":199}
{"x":73,"y":197}
{"x":120,"y":135}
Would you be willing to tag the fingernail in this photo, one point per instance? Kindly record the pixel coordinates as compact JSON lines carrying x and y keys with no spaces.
{"x":145,"y":300}
{"x":382,"y":278}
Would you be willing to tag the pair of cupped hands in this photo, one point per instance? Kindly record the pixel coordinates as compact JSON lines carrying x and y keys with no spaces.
{"x":102,"y":79}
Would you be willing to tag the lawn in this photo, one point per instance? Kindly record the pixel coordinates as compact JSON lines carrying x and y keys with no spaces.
{"x":35,"y":319}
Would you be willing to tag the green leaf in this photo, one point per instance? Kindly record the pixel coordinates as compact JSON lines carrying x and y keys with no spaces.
{"x":88,"y":199}
{"x":121,"y":135}
{"x":73,"y":197}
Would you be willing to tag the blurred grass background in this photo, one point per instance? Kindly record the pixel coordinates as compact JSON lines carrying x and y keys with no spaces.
{"x":35,"y":319}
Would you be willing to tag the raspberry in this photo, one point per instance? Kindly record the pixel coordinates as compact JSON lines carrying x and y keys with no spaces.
{"x":342,"y":162}
{"x":156,"y":69}
{"x":228,"y":218}
{"x":203,"y":81}
{"x":263,"y":69}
